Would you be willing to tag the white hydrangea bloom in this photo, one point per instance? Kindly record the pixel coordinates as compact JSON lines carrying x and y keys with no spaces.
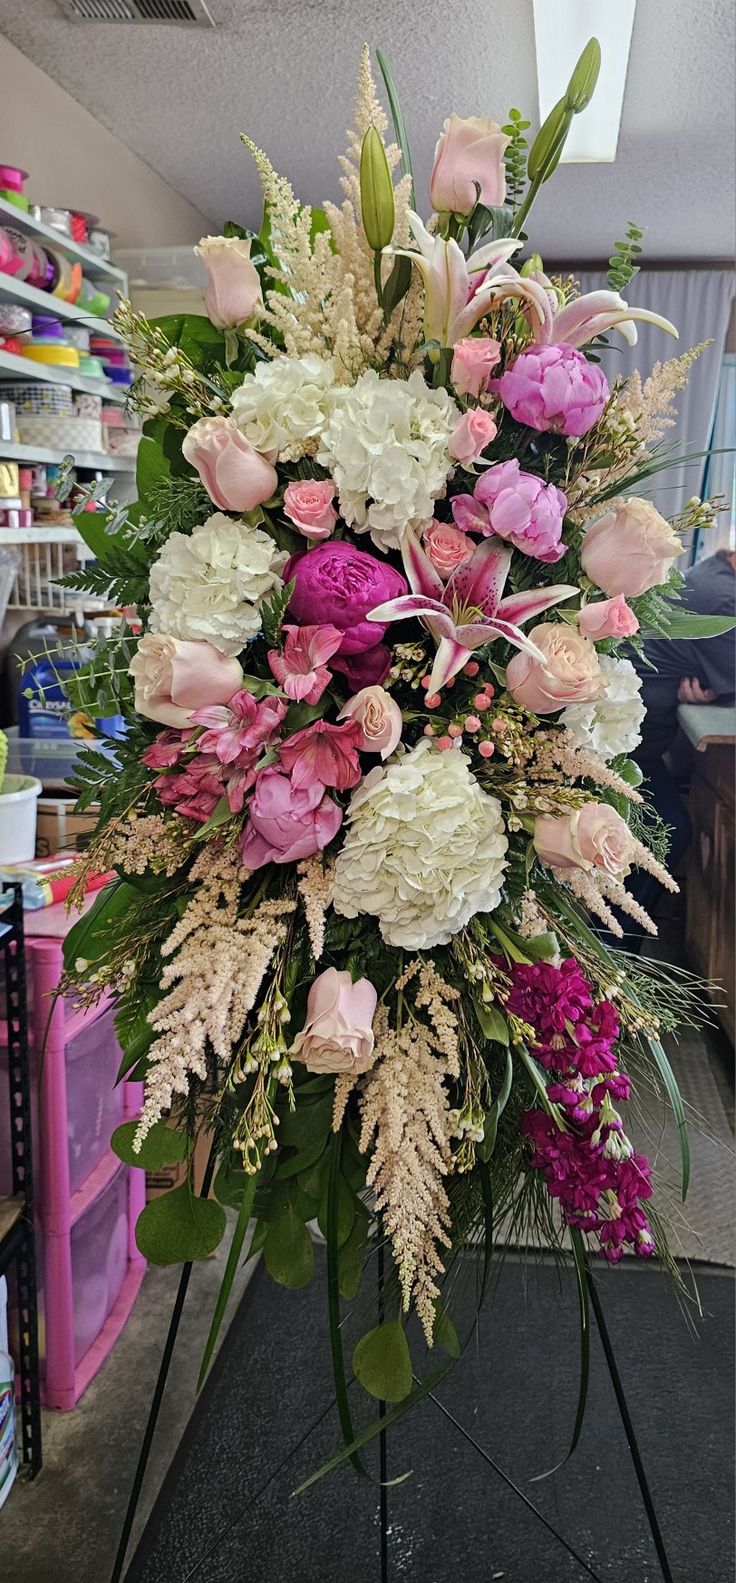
{"x":211,"y":583}
{"x":281,"y":408}
{"x":611,"y":725}
{"x":425,"y":849}
{"x":386,"y":445}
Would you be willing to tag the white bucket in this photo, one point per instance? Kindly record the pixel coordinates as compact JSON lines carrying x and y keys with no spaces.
{"x":18,"y":810}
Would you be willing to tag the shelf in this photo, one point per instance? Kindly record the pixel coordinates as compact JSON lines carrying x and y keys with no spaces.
{"x":37,"y":534}
{"x":10,"y":451}
{"x":12,"y":290}
{"x":21,"y":368}
{"x":91,"y":262}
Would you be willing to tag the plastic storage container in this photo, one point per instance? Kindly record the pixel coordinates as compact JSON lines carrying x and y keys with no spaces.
{"x":99,"y":1249}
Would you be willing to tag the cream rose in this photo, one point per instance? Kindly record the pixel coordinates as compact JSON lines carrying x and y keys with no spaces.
{"x":172,"y":678}
{"x":337,"y":1035}
{"x":594,"y":836}
{"x":631,"y":549}
{"x":569,"y":674}
{"x":379,"y":718}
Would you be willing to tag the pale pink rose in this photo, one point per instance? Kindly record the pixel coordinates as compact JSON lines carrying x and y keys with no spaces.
{"x":236,"y":477}
{"x":473,"y":362}
{"x":233,"y":287}
{"x":173,"y":678}
{"x":469,"y":154}
{"x":379,"y":718}
{"x":308,"y":504}
{"x":471,"y":434}
{"x":594,"y":836}
{"x":570,"y":673}
{"x":447,"y":548}
{"x":631,"y":549}
{"x":338,"y":1034}
{"x":608,"y":618}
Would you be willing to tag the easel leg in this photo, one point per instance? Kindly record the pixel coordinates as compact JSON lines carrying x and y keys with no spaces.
{"x":382,"y":1439}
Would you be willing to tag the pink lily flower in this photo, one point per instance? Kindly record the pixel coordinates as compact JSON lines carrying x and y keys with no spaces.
{"x":323,"y":753}
{"x":301,"y":669}
{"x":239,"y":726}
{"x":468,"y":611}
{"x":459,"y":291}
{"x":595,"y":313}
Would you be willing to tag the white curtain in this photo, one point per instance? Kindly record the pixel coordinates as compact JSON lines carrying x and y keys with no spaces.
{"x":698,"y":302}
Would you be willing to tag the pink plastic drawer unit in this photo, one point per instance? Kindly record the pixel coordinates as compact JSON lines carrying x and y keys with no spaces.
{"x":99,"y":1261}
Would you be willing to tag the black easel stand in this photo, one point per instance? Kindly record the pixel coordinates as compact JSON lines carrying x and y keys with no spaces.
{"x":195,"y":1571}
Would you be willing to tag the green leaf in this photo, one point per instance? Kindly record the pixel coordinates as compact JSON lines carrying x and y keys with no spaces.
{"x":287,"y":1251}
{"x":678,"y":1109}
{"x":150,"y":468}
{"x":300,"y":715}
{"x":382,"y":1363}
{"x":344,"y":1211}
{"x":396,"y":286}
{"x":222,"y":815}
{"x":307,"y":1123}
{"x":685,"y":624}
{"x":351,"y":1256}
{"x":161,"y":1146}
{"x":231,"y":1183}
{"x":444,"y":1333}
{"x":195,"y":335}
{"x":492,"y":1022}
{"x":231,"y":1269}
{"x":485,"y":1149}
{"x":300,"y":1161}
{"x":88,"y":939}
{"x":179,"y":1227}
{"x":398,"y":120}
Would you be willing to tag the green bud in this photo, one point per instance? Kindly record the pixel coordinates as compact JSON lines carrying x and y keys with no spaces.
{"x":532,"y":266}
{"x":376,"y":192}
{"x":549,"y":142}
{"x":581,"y":86}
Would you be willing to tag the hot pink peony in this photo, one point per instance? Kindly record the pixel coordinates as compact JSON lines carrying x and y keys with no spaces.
{"x":473,"y":361}
{"x":470,"y":436}
{"x":285,"y":824}
{"x":324,"y":753}
{"x":236,"y":477}
{"x":608,"y":618}
{"x":308,"y":504}
{"x":516,"y":506}
{"x":337,"y":585}
{"x":301,"y":668}
{"x":553,"y":388}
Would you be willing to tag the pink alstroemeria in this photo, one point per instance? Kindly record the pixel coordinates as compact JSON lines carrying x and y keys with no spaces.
{"x":459,"y":291}
{"x":241,"y":726}
{"x":325,"y":753}
{"x":467,"y":611}
{"x":301,"y":669}
{"x":581,"y":320}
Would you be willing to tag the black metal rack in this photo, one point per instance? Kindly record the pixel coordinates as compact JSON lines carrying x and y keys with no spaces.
{"x":17,"y":1245}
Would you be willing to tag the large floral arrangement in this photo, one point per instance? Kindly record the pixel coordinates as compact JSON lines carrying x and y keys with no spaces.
{"x":374,"y":806}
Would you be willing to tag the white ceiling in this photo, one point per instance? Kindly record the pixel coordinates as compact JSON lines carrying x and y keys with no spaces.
{"x":284,"y":71}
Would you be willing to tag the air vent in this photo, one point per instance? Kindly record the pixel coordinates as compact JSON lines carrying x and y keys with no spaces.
{"x":185,"y":13}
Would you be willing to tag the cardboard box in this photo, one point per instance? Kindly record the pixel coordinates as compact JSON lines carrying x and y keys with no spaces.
{"x":158,"y":1182}
{"x":60,"y":829}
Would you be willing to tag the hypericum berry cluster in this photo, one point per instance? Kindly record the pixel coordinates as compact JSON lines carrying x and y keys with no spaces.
{"x":474,"y":725}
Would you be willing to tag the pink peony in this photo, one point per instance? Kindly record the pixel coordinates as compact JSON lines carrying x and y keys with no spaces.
{"x":470,"y":436}
{"x":594,"y":836}
{"x":173,"y":677}
{"x":468,"y":157}
{"x":337,"y":585}
{"x":324,"y":753}
{"x":379,"y":718}
{"x":236,"y":477}
{"x":338,"y":1034}
{"x":516,"y":506}
{"x":569,"y":674}
{"x":553,"y":388}
{"x":631,"y":549}
{"x":608,"y":618}
{"x":447,"y":547}
{"x":301,"y":668}
{"x":473,"y":361}
{"x":308,"y":504}
{"x":244,"y":726}
{"x":285,"y":824}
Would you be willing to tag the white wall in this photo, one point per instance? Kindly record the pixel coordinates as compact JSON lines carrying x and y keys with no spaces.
{"x":73,"y":160}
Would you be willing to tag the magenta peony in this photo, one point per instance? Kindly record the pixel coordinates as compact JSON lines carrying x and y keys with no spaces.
{"x":553,"y":388}
{"x":337,"y":585}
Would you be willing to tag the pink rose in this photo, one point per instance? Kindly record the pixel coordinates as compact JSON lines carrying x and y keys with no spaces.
{"x":608,"y":618}
{"x":236,"y":477}
{"x":323,"y":753}
{"x":594,"y":836}
{"x":336,"y":585}
{"x":473,"y":361}
{"x":447,"y":548}
{"x":172,"y":678}
{"x":379,"y":718}
{"x":285,"y":824}
{"x":471,"y":434}
{"x":301,"y":669}
{"x":233,"y":287}
{"x":570,"y":673}
{"x":337,"y":1035}
{"x":309,"y":506}
{"x":631,"y":549}
{"x":469,"y":152}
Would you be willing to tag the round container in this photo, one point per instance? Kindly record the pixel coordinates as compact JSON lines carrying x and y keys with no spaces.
{"x":99,"y":241}
{"x":47,"y":328}
{"x":9,"y":195}
{"x":76,"y":335}
{"x":16,"y":517}
{"x":32,"y":258}
{"x":18,"y":808}
{"x":11,"y":262}
{"x":38,"y":399}
{"x":118,"y":376}
{"x":113,"y":417}
{"x":14,"y":320}
{"x":12,"y":177}
{"x":82,"y":224}
{"x":91,"y":366}
{"x":69,"y":278}
{"x":58,"y":220}
{"x":54,"y":356}
{"x":88,"y":406}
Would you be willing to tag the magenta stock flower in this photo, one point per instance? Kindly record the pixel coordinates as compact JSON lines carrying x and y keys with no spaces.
{"x":301,"y":668}
{"x":468,"y":611}
{"x":515,"y":506}
{"x":286,"y":824}
{"x":553,"y":389}
{"x":323,"y":753}
{"x":240,"y":727}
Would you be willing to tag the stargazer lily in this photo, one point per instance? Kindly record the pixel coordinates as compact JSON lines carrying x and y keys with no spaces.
{"x":468,"y":611}
{"x":459,"y":290}
{"x":580,"y":320}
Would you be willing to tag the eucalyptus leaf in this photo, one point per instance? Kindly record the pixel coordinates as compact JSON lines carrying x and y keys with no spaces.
{"x":351,"y":1256}
{"x":444,"y":1333}
{"x":345,"y":1212}
{"x":179,"y":1227}
{"x":382,"y":1363}
{"x":287,"y":1250}
{"x":161,"y":1146}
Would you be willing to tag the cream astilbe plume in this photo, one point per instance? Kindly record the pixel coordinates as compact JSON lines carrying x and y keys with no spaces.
{"x":652,"y":403}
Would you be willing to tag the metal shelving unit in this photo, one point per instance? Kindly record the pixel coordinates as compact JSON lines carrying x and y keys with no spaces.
{"x":99,"y":461}
{"x":23,"y":368}
{"x":12,"y":290}
{"x":97,"y":268}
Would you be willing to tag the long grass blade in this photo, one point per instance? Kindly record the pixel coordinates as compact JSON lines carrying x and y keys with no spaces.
{"x":398,"y":120}
{"x":236,"y":1248}
{"x":675,"y":1098}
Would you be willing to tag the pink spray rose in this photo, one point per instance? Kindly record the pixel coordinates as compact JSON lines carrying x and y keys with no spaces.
{"x":594,"y":836}
{"x":243,"y":728}
{"x":570,"y":673}
{"x":447,"y":547}
{"x":236,"y":477}
{"x":301,"y":668}
{"x":324,"y":753}
{"x":379,"y":718}
{"x":469,"y":151}
{"x":631,"y":549}
{"x":608,"y":618}
{"x":285,"y":824}
{"x":473,"y":361}
{"x":470,"y":436}
{"x":553,"y":388}
{"x":172,"y":678}
{"x":337,"y":1035}
{"x":233,"y":287}
{"x":308,"y":504}
{"x":337,"y":584}
{"x":516,"y":506}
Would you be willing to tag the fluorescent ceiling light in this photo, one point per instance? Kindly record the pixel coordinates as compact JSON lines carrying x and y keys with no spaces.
{"x":562,"y":29}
